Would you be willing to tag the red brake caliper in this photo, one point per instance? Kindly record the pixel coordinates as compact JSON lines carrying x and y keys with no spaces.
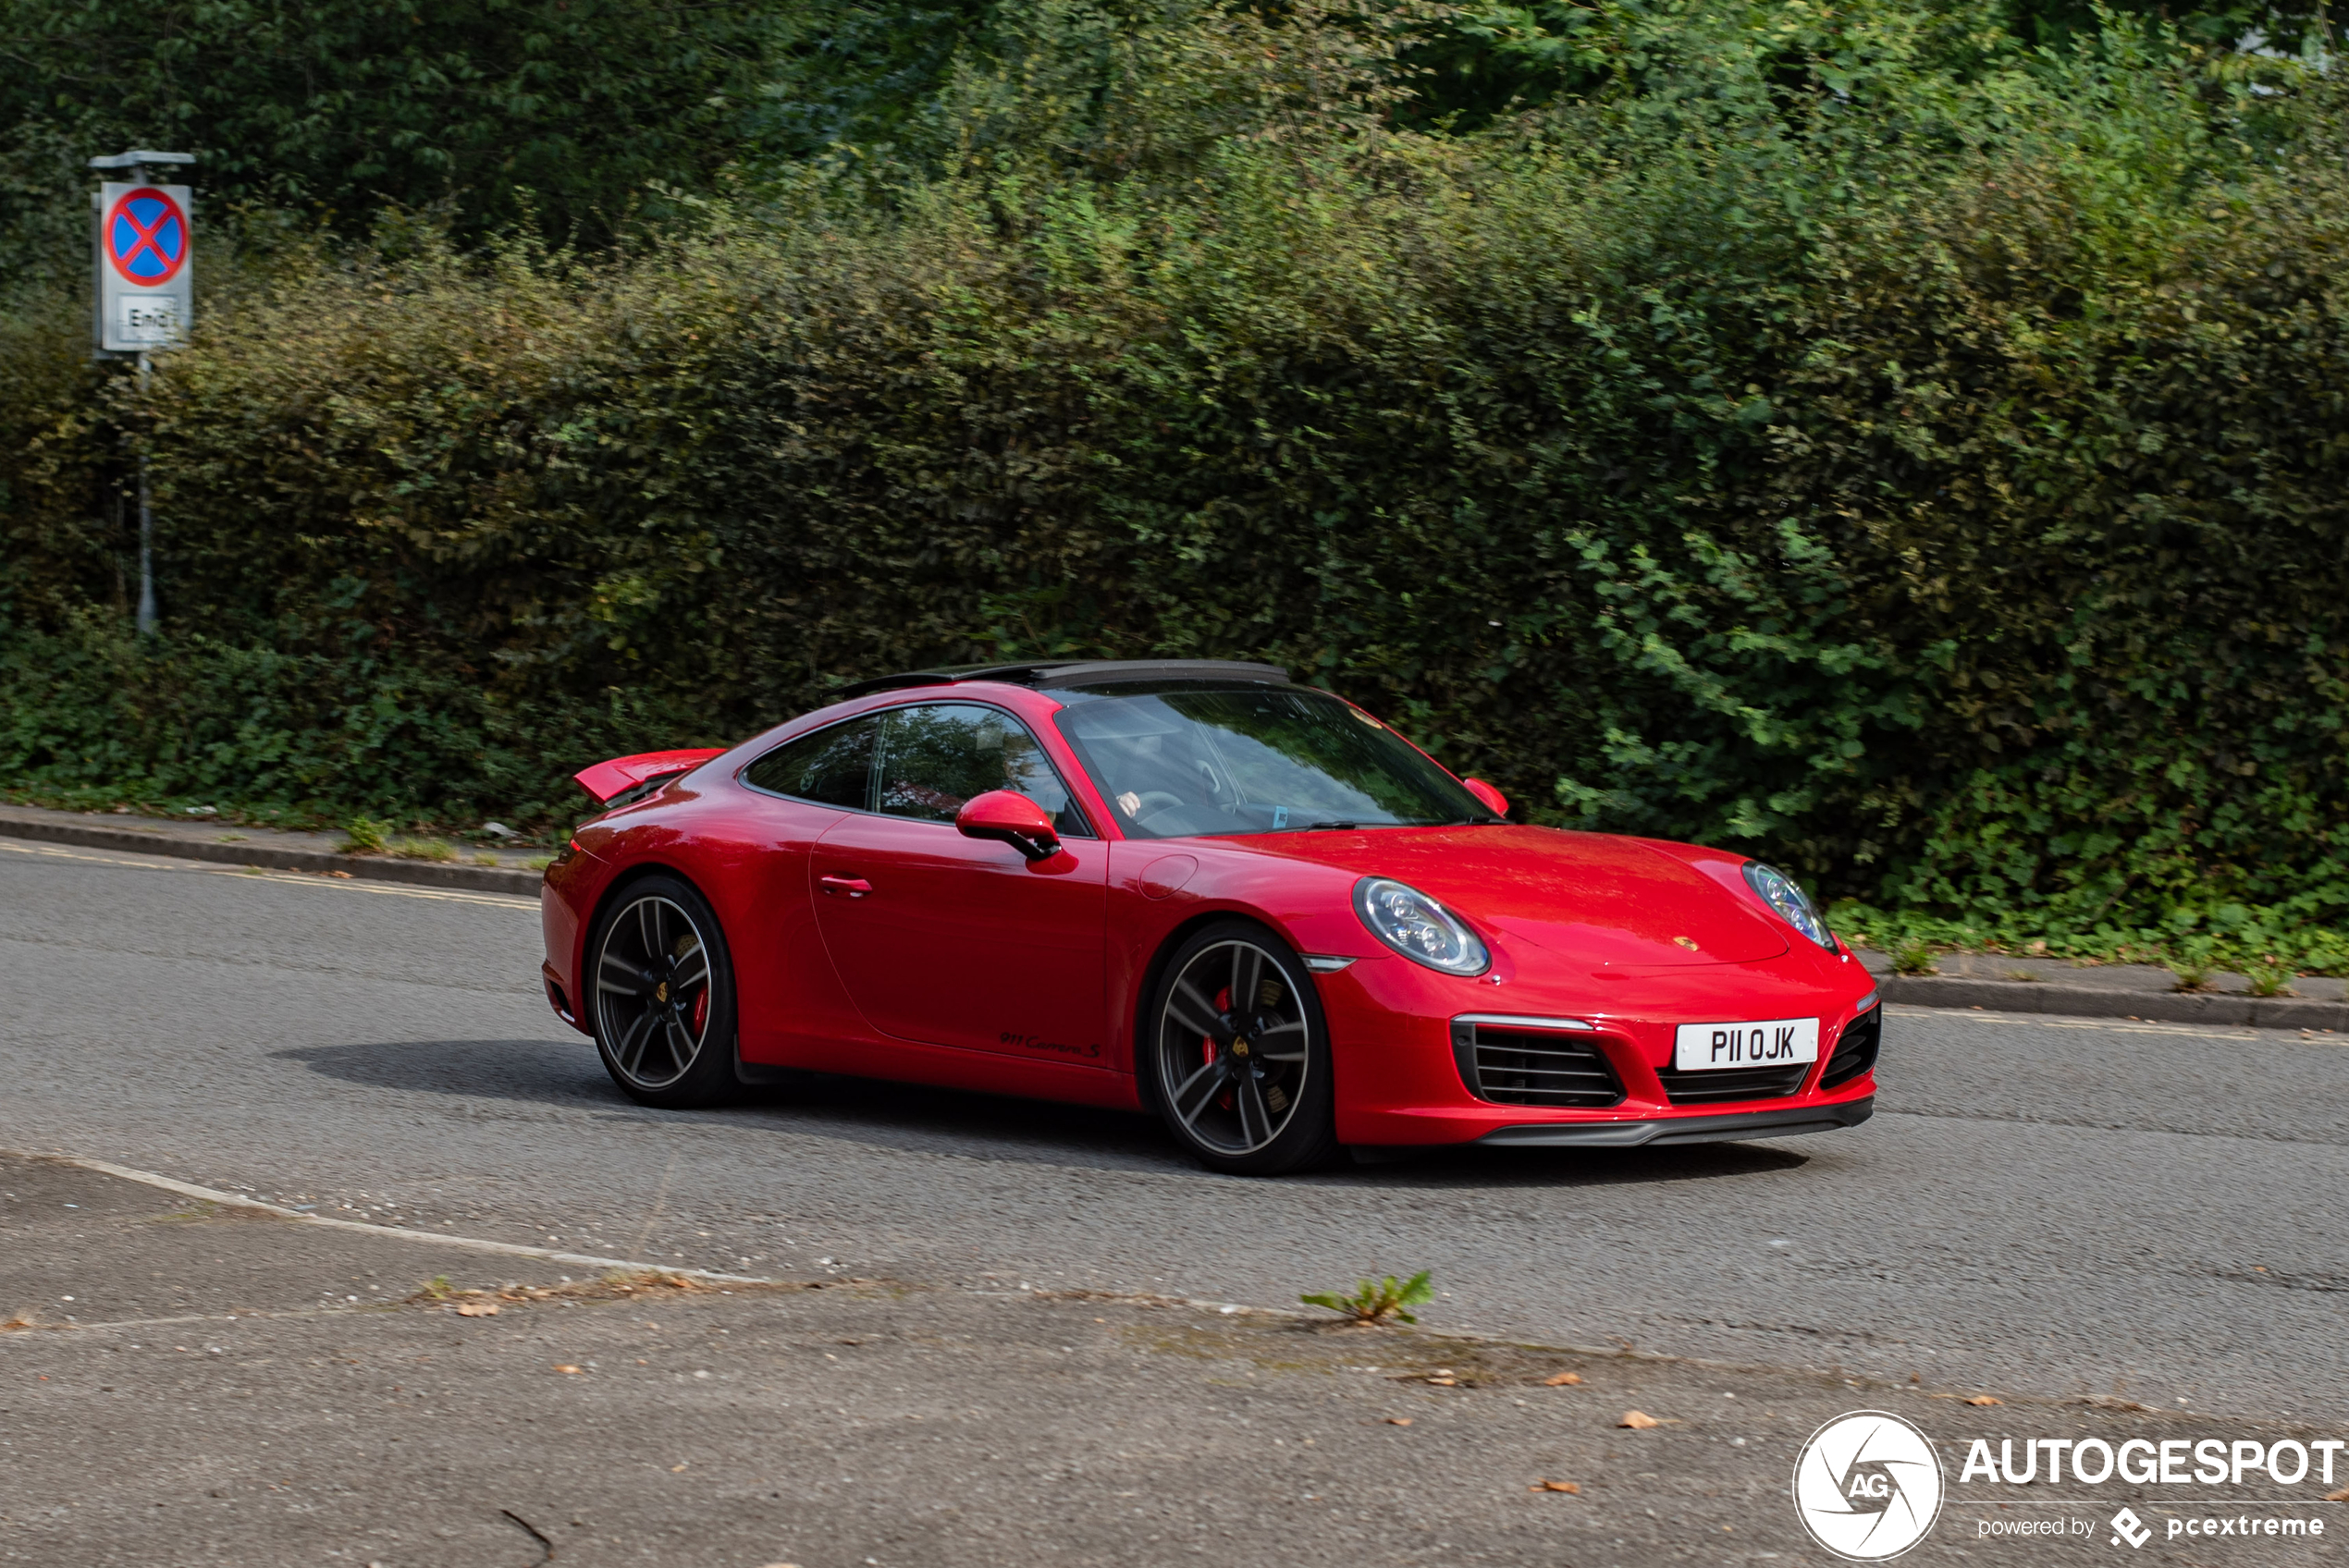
{"x":701,"y":1010}
{"x":1222,"y":1004}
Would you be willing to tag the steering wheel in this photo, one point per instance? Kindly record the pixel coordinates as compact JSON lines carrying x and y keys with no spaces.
{"x":1149,"y":802}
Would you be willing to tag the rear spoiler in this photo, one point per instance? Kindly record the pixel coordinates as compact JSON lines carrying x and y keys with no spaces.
{"x":607,"y":781}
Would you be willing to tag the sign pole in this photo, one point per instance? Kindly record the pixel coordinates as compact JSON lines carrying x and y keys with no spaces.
{"x":146,"y":528}
{"x":146,"y":297}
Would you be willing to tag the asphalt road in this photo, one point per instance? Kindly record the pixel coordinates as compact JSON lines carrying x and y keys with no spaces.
{"x":238,"y":1393}
{"x":2039,"y":1207}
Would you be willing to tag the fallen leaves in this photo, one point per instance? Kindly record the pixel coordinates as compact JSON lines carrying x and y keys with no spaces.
{"x":2340,"y":1496}
{"x":16,"y":1321}
{"x":1546,"y":1485}
{"x":1563,"y":1380}
{"x":619,"y":1284}
{"x":1982,"y":1399}
{"x":1637,"y":1420}
{"x":1398,"y":1420}
{"x":567,"y":1367}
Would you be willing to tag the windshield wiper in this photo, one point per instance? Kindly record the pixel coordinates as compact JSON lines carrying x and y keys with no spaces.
{"x":1317,"y":826}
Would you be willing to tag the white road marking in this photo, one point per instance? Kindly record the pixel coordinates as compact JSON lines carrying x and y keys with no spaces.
{"x":283,"y":879}
{"x":471,"y":1243}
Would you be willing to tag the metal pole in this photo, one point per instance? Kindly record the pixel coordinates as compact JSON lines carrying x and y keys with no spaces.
{"x":146,"y":535}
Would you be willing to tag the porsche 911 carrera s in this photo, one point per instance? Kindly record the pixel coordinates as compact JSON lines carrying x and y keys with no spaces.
{"x":1195,"y":889}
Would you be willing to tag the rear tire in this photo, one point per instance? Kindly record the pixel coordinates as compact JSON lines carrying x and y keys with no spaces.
{"x":1238,"y":1053}
{"x":660,"y":989}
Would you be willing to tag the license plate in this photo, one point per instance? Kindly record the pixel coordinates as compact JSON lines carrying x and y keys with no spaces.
{"x":1778,"y":1042}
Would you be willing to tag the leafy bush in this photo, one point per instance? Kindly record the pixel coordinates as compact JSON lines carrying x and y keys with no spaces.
{"x":565,"y":111}
{"x":1931,"y":481}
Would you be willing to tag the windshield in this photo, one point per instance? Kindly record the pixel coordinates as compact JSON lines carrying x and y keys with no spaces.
{"x":1177,"y":762}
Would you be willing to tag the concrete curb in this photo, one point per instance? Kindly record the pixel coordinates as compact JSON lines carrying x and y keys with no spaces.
{"x":2084,"y":1001}
{"x":424,"y":873}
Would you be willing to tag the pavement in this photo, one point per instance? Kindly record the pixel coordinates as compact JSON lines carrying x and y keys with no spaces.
{"x":239,"y":1388}
{"x":2048,"y":1209}
{"x":487,"y":868}
{"x":2081,"y":988}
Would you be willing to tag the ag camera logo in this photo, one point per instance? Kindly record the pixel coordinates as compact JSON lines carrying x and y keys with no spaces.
{"x":1867,"y":1486}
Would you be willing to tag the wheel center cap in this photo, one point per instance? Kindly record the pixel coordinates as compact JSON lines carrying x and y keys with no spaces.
{"x":1239,"y":1047}
{"x":660,"y":992}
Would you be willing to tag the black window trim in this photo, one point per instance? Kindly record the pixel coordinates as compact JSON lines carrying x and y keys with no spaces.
{"x":742,"y":773}
{"x":926,"y":700}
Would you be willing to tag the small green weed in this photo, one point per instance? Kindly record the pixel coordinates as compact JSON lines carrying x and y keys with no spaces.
{"x":1376,"y":1301}
{"x":539,"y":862}
{"x":419,"y":849}
{"x":2270,"y":977}
{"x":1914,"y":958}
{"x":2192,"y":974}
{"x":362,"y":836}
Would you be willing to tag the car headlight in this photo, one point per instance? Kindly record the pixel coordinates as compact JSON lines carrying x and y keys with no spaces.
{"x":1794,"y":906}
{"x":1419,"y":927}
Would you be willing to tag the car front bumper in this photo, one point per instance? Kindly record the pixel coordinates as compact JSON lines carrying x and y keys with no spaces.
{"x":1781,"y":1121}
{"x":1400,"y":1082}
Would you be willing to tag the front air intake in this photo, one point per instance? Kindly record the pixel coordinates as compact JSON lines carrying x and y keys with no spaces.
{"x":1855,"y":1052}
{"x":1732,"y":1083}
{"x":1535,"y":1063}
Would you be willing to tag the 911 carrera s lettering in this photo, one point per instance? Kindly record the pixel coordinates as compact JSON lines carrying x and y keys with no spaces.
{"x":1038,"y":1043}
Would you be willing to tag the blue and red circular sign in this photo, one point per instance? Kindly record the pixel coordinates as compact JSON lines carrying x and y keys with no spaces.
{"x":146,"y":237}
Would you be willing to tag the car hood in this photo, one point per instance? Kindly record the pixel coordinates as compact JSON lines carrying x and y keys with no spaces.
{"x":1595,"y":898}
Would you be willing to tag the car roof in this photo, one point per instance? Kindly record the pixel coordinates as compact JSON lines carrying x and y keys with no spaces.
{"x":1047,"y":676}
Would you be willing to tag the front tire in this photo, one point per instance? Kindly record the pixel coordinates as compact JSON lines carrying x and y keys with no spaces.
{"x":1239,"y":1055}
{"x":662,"y":994}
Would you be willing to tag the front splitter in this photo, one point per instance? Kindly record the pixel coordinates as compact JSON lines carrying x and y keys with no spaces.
{"x":1780,"y":1123}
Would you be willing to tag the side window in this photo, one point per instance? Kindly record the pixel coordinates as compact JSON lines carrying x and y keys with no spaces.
{"x":938,"y":755}
{"x":833,"y":766}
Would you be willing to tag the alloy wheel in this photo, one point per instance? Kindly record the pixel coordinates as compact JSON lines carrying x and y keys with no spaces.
{"x":652,"y":992}
{"x":1234,"y":1047}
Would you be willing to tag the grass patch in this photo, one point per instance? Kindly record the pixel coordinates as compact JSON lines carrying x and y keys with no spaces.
{"x":2238,"y":937}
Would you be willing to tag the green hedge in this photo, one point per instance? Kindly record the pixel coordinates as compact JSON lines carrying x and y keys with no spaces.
{"x":1941,"y":493}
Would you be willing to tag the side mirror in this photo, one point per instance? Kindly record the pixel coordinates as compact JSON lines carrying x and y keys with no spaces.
{"x":1493,"y":800}
{"x":1012,"y":817}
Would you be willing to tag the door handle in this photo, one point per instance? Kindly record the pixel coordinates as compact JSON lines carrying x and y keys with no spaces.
{"x":855,"y":886}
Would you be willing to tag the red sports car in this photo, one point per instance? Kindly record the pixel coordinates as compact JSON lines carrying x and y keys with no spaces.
{"x":1195,"y":889}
